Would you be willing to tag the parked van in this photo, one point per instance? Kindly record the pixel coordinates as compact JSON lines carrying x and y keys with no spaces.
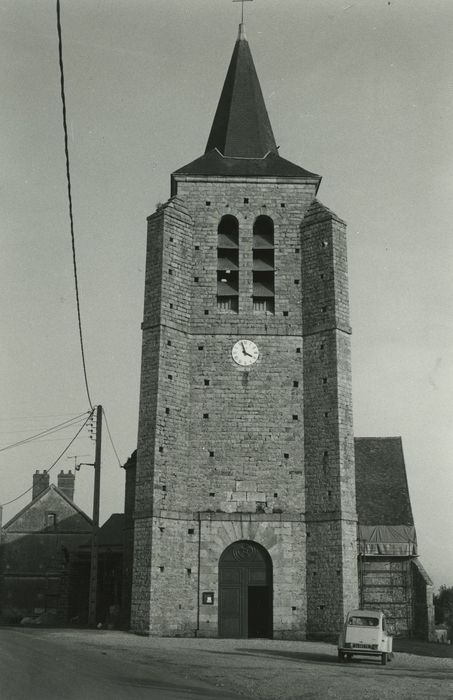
{"x":364,"y":634}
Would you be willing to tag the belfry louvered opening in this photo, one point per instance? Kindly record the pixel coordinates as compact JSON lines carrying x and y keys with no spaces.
{"x":263,"y":264}
{"x":228,"y":264}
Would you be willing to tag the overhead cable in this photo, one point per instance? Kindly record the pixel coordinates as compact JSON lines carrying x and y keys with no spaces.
{"x":49,"y":431}
{"x":71,"y":218}
{"x":111,"y":440}
{"x":54,"y":463}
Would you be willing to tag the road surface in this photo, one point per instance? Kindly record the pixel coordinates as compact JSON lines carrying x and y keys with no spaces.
{"x":41,"y":665}
{"x":65,"y":664}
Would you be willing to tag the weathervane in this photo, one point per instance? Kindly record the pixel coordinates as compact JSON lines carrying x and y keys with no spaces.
{"x":242,"y":9}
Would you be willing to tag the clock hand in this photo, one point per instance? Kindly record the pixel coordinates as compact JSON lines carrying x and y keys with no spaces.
{"x":244,"y":351}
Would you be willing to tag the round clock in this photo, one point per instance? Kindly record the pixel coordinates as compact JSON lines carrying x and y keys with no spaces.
{"x":245,"y":353}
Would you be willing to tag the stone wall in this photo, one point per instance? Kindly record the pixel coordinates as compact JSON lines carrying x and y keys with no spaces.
{"x":386,"y":585}
{"x":329,"y":443}
{"x":423,"y":587}
{"x":221,"y":448}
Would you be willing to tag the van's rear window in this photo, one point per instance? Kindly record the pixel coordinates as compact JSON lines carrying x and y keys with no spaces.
{"x":364,"y":621}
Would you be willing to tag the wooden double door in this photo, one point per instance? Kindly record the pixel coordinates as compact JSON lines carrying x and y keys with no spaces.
{"x":245,"y":591}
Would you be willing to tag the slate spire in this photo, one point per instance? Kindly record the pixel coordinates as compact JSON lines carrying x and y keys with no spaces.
{"x":241,"y":126}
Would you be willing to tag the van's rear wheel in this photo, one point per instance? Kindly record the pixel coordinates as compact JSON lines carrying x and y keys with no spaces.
{"x":341,"y":656}
{"x":384,"y":659}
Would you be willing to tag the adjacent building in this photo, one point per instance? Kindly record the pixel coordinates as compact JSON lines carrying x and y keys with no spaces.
{"x":35,"y":548}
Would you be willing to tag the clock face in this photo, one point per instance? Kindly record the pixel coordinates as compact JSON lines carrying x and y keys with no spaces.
{"x":245,"y":353}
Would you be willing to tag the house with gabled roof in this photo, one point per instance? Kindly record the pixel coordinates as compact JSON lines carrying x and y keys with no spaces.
{"x":35,"y":546}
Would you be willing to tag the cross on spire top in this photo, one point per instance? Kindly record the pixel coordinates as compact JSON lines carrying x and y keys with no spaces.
{"x":242,"y":8}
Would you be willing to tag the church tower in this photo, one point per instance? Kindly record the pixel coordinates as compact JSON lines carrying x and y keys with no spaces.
{"x":245,"y":522}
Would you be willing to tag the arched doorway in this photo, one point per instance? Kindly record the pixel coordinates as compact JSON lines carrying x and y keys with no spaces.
{"x":245,"y":591}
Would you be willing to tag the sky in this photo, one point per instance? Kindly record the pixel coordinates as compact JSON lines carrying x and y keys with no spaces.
{"x":359,"y":92}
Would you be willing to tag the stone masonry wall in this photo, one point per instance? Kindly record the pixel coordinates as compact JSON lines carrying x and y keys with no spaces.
{"x":329,"y":453}
{"x":186,"y":555}
{"x":166,"y":314}
{"x":221,"y":448}
{"x":386,"y":585}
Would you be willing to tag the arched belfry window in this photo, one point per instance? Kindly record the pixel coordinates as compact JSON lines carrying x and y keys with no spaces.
{"x":263,"y":264}
{"x":228,"y":264}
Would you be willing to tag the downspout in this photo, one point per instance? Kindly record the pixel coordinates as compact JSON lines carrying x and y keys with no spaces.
{"x":198,"y":575}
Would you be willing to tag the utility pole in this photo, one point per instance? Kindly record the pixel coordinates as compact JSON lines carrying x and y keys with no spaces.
{"x":94,"y":537}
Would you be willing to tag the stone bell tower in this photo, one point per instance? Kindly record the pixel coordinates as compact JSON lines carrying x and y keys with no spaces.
{"x":245,"y":521}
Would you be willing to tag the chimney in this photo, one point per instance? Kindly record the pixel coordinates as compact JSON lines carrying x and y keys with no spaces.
{"x":40,"y":483}
{"x":66,"y":484}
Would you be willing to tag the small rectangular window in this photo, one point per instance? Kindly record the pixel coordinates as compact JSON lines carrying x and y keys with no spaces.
{"x":51,"y":520}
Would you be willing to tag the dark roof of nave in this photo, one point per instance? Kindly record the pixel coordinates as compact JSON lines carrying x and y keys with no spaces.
{"x":241,"y":141}
{"x":382,"y":490}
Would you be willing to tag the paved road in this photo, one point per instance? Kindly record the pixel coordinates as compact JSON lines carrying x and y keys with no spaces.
{"x":40,"y":665}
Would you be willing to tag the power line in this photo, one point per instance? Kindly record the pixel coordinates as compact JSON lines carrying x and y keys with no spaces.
{"x":54,"y":463}
{"x":49,"y":431}
{"x":111,"y":440}
{"x":47,"y":415}
{"x":71,"y":218}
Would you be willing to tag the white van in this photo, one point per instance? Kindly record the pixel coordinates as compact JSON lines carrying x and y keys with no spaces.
{"x":364,"y":634}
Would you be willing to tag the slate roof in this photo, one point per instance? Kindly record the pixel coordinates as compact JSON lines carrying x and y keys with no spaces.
{"x":111,"y":534}
{"x":381,"y":484}
{"x":272,"y":165}
{"x":241,"y":141}
{"x":241,"y":125}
